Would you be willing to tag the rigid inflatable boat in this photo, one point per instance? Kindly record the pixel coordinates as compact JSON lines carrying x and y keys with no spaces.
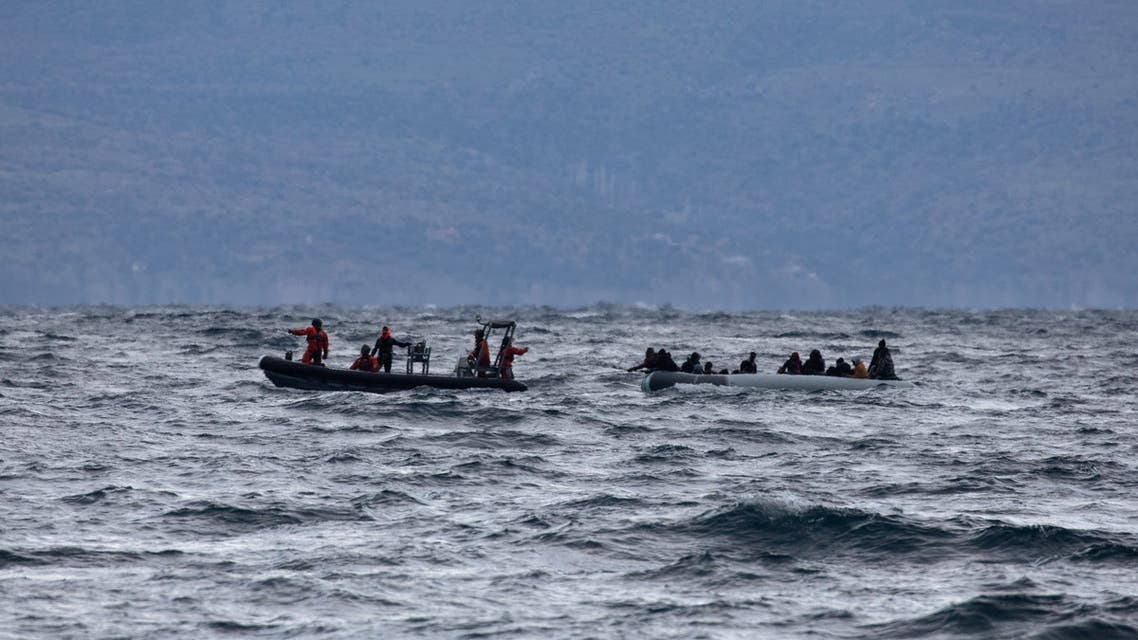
{"x":658,"y":380}
{"x":286,"y":373}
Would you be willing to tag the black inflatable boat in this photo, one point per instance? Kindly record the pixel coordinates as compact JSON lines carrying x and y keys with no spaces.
{"x":287,"y":373}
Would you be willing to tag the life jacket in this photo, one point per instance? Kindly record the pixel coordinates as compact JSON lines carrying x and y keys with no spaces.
{"x":508,"y":354}
{"x":366,"y":363}
{"x":482,"y":353}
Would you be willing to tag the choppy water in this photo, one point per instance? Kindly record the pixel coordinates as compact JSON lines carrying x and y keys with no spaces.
{"x":153,"y":483}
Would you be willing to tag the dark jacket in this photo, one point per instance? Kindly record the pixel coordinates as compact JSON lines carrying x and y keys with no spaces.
{"x":664,"y":362}
{"x":841,"y":369}
{"x":881,"y":366}
{"x":814,"y":365}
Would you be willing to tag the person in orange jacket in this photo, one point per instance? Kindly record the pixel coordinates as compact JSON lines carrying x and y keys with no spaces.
{"x":859,"y":370}
{"x":317,"y":341}
{"x":365,"y":362}
{"x":480,"y":357}
{"x":506,"y":368}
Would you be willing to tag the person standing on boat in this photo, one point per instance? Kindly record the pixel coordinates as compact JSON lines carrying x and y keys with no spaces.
{"x":317,"y":341}
{"x":792,"y":366}
{"x":384,"y":345}
{"x":506,"y":357}
{"x":749,"y":365}
{"x":649,"y":361}
{"x":479,"y":358}
{"x":881,"y":365}
{"x":365,"y":362}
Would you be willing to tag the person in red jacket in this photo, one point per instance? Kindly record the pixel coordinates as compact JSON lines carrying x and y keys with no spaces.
{"x":479,"y":359}
{"x":365,"y":362}
{"x":507,"y":358}
{"x":317,"y":341}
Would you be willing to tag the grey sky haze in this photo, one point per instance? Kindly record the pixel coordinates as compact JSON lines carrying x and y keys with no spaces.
{"x":726,"y":155}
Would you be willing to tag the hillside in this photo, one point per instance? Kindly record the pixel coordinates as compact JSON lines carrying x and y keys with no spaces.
{"x":749,"y":155}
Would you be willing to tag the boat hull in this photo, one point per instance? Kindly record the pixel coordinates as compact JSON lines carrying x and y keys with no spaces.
{"x":658,"y":380}
{"x":296,"y":375}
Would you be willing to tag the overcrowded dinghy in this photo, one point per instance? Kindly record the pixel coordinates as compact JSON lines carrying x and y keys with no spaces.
{"x":658,"y":380}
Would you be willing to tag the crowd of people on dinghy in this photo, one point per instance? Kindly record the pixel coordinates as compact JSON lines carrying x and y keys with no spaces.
{"x":880,"y":365}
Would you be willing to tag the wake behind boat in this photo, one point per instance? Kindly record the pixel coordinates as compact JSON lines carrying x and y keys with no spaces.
{"x":658,"y":380}
{"x":287,"y":373}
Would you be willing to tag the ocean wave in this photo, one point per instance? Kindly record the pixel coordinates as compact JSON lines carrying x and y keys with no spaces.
{"x":1038,"y":543}
{"x":1001,"y":615}
{"x":213,"y":518}
{"x":71,"y":556}
{"x":98,"y":495}
{"x":493,"y":439}
{"x":816,"y":529}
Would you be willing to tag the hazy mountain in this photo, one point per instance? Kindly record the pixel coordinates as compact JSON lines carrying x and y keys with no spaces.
{"x":721,"y":154}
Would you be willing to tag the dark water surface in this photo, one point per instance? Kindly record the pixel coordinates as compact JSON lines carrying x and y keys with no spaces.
{"x":154,"y":484}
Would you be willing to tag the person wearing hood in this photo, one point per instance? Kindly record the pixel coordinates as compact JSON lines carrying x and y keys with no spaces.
{"x":815,"y":365}
{"x":692,"y":365}
{"x":881,"y":365}
{"x":317,"y":342}
{"x":859,"y":369}
{"x":664,"y":361}
{"x":841,"y":369}
{"x":792,"y":366}
{"x":649,"y":361}
{"x":384,"y":345}
{"x":365,"y":362}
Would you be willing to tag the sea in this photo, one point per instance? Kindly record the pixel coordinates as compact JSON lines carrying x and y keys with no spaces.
{"x":154,"y":484}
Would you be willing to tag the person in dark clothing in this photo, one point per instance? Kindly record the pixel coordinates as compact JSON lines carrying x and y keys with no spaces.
{"x":649,"y":361}
{"x":792,"y":366}
{"x":841,"y":369}
{"x":881,"y":365}
{"x":664,"y":361}
{"x":692,"y":365}
{"x":749,"y":365}
{"x":383,"y":346}
{"x":815,"y":365}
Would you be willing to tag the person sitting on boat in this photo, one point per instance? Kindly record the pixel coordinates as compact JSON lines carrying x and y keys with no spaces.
{"x":881,"y":365}
{"x":859,"y":369}
{"x":664,"y":361}
{"x":479,"y":358}
{"x":649,"y":361}
{"x":691,"y":365}
{"x":749,"y":365}
{"x":365,"y":362}
{"x":317,"y":341}
{"x":815,"y":365}
{"x":384,"y":345}
{"x":709,"y":368}
{"x":506,"y":357}
{"x":792,"y":366}
{"x":841,"y":369}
